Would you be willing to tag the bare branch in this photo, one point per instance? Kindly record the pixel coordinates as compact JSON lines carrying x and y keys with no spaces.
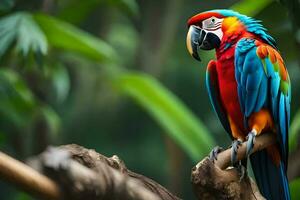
{"x":27,"y":178}
{"x":79,"y":182}
{"x":79,"y":174}
{"x":84,"y":174}
{"x":99,"y":164}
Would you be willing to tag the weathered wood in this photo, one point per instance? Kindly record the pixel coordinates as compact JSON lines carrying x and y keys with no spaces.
{"x":85,"y":174}
{"x":81,"y":173}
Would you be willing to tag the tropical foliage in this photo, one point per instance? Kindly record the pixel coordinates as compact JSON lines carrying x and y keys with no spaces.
{"x":100,"y":72}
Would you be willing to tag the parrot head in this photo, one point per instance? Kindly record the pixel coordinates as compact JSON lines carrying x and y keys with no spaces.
{"x":209,"y":30}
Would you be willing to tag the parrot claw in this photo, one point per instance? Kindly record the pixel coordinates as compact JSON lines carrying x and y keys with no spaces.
{"x":234,"y":148}
{"x":214,"y":153}
{"x":250,"y":142}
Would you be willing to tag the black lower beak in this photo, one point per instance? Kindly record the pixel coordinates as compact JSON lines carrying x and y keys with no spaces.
{"x":198,"y":38}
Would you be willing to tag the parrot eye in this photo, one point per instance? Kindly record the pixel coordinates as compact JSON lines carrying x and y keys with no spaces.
{"x":212,"y":23}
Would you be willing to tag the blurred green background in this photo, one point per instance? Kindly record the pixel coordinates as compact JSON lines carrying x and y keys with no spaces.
{"x":115,"y":76}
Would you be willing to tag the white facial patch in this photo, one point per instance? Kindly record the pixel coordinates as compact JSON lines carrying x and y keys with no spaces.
{"x":213,"y":25}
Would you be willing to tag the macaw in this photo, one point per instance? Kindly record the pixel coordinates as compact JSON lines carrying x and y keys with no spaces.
{"x":249,"y":88}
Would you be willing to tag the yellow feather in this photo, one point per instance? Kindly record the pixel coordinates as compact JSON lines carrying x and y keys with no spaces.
{"x":230,"y":25}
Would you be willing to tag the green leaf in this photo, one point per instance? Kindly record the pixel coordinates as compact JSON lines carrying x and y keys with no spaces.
{"x":294,"y":189}
{"x":16,"y":100}
{"x":30,"y":36}
{"x":17,"y":84}
{"x":294,"y":132}
{"x":7,"y":32}
{"x":22,"y":29}
{"x":68,"y":37}
{"x":6,"y":5}
{"x":250,"y":7}
{"x":169,"y":112}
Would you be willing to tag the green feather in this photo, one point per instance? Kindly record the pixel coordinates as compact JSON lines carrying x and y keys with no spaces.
{"x":276,"y":66}
{"x":284,"y":87}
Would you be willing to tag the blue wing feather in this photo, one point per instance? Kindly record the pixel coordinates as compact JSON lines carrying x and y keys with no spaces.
{"x":258,"y":84}
{"x":261,"y":100}
{"x":256,"y":78}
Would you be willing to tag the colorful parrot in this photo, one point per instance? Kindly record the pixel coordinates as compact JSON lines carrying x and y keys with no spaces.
{"x":249,"y":88}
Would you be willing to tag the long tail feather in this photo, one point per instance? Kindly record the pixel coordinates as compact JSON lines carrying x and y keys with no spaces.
{"x":271,"y":179}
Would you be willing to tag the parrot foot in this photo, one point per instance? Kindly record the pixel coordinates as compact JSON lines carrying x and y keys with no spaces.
{"x":250,"y":142}
{"x":234,"y":148}
{"x":214,"y":153}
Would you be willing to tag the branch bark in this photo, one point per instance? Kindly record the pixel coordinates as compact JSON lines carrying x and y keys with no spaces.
{"x":217,"y":180}
{"x":108,"y":178}
{"x":80,"y":173}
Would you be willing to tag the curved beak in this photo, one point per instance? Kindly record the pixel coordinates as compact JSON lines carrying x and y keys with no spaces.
{"x":198,"y":38}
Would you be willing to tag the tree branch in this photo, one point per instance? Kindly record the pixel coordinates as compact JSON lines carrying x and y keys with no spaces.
{"x":216,"y":180}
{"x":79,"y":174}
{"x":27,"y":178}
{"x":108,"y":178}
{"x":80,"y":182}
